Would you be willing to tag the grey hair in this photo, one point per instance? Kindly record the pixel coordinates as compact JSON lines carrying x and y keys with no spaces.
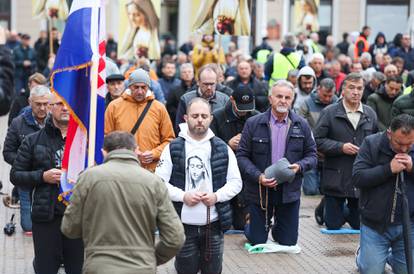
{"x":317,"y":56}
{"x":282,"y":83}
{"x":186,"y":66}
{"x":289,"y":41}
{"x":379,"y":76}
{"x":353,"y":77}
{"x":366,"y":55}
{"x":39,"y":90}
{"x":328,"y":84}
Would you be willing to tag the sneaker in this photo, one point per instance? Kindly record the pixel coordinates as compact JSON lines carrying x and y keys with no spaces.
{"x":7,"y":201}
{"x":319,"y":212}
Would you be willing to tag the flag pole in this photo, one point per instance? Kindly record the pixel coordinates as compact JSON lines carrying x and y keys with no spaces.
{"x":92,"y":112}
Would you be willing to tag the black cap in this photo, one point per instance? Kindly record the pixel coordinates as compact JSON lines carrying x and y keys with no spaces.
{"x":115,"y":77}
{"x":25,"y":36}
{"x":244,"y":98}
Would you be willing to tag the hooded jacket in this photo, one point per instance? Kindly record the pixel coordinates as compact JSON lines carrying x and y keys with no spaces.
{"x":300,"y":95}
{"x":196,"y":215}
{"x":155,"y":131}
{"x":381,"y":103}
{"x":377,"y":47}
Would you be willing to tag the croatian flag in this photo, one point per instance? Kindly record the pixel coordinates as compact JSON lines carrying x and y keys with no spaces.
{"x":83,"y":43}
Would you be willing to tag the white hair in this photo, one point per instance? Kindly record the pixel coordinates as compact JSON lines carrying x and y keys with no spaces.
{"x":283,"y":83}
{"x":39,"y":90}
{"x":366,"y":55}
{"x":317,"y":56}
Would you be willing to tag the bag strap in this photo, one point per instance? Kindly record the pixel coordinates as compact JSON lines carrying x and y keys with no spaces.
{"x":141,"y":117}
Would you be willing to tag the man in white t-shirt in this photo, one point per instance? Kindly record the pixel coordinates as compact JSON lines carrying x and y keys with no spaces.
{"x":201,"y":174}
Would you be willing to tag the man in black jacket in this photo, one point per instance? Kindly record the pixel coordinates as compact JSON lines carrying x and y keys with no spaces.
{"x":6,"y":75}
{"x":339,"y":132}
{"x":37,"y":166}
{"x":31,"y":120}
{"x":228,"y":124}
{"x":245,"y":77}
{"x":380,"y":160}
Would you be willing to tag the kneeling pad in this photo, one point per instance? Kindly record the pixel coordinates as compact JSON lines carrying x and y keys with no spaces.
{"x":339,"y":231}
{"x":234,"y":231}
{"x":271,"y":247}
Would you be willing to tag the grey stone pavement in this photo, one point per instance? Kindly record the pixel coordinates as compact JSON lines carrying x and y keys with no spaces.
{"x":320,"y":253}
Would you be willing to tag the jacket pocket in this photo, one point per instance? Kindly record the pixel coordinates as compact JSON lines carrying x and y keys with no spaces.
{"x":260,"y":145}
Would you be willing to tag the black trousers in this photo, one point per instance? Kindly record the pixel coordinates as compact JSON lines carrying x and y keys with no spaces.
{"x":51,"y":246}
{"x":337,"y":212}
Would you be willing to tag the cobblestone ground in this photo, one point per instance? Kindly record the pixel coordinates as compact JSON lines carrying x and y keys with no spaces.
{"x":320,"y":253}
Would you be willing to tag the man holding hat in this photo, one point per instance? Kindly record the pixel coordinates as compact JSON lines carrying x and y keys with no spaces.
{"x":137,"y":112}
{"x":228,"y":124}
{"x":266,"y":139}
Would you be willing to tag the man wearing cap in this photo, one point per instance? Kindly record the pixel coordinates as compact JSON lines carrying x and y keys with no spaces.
{"x":153,"y":131}
{"x":266,"y":138}
{"x":228,"y":124}
{"x":24,"y":58}
{"x":115,"y":86}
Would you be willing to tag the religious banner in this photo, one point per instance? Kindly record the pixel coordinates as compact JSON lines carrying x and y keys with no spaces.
{"x":57,"y":9}
{"x":305,"y":17}
{"x":138,"y":29}
{"x":224,"y":17}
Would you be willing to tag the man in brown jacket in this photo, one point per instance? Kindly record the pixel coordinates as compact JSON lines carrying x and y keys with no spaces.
{"x":155,"y":131}
{"x":116,"y":208}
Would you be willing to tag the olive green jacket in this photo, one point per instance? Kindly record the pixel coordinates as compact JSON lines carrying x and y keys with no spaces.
{"x":116,"y":208}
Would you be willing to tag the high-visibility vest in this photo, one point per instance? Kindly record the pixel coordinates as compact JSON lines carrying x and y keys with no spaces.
{"x":282,"y":65}
{"x":407,"y":90}
{"x":366,"y":46}
{"x":262,"y":56}
{"x":315,"y":47}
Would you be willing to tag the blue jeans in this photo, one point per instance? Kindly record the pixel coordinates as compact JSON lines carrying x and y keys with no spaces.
{"x":311,"y":182}
{"x":375,"y":250}
{"x":192,"y":256}
{"x":25,"y":209}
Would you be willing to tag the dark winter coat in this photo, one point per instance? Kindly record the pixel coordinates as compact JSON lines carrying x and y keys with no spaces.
{"x":372,"y":175}
{"x":381,"y":103}
{"x":174,"y":98}
{"x":38,"y":153}
{"x":6,"y":79}
{"x":259,"y":89}
{"x":332,"y":131}
{"x":254,"y":154}
{"x":226,"y":124}
{"x":20,"y":127}
{"x":403,"y":104}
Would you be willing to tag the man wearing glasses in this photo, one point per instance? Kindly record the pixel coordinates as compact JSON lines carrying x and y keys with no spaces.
{"x":147,"y":119}
{"x":207,"y":81}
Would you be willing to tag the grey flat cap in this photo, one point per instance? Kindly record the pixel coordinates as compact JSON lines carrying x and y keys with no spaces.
{"x":280,"y":171}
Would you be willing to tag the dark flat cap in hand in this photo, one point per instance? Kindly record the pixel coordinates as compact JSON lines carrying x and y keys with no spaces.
{"x":280,"y":171}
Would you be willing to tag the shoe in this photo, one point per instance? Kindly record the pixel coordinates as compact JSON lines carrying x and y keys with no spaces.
{"x":319,"y":212}
{"x":7,"y":201}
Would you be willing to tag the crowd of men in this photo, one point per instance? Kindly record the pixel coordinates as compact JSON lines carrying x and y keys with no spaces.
{"x":204,"y":141}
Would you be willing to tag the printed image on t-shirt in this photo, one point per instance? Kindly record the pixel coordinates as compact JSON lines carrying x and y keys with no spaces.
{"x":197,"y":174}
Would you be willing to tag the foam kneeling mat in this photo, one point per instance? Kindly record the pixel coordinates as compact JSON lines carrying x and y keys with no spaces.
{"x":339,"y":231}
{"x":271,"y":247}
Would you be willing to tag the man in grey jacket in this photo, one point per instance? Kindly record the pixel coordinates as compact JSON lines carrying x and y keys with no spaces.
{"x":306,"y":85}
{"x":207,"y":82}
{"x":116,"y":208}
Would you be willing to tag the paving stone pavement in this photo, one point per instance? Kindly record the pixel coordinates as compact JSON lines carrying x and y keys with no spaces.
{"x":320,"y":253}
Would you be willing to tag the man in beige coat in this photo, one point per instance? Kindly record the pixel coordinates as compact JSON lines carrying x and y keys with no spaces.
{"x":116,"y":208}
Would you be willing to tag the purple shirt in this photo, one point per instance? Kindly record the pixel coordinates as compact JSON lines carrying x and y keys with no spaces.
{"x":279,"y":133}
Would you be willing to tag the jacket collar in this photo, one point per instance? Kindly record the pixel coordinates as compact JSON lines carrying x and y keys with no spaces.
{"x":265,"y":118}
{"x":50,"y":127}
{"x":122,"y":154}
{"x":28,"y":117}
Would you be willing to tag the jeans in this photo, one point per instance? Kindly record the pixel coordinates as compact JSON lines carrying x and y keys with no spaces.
{"x":195,"y":255}
{"x":375,"y":250}
{"x":285,"y":229}
{"x":25,"y":209}
{"x":337,"y":213}
{"x":50,"y":246}
{"x":311,"y":182}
